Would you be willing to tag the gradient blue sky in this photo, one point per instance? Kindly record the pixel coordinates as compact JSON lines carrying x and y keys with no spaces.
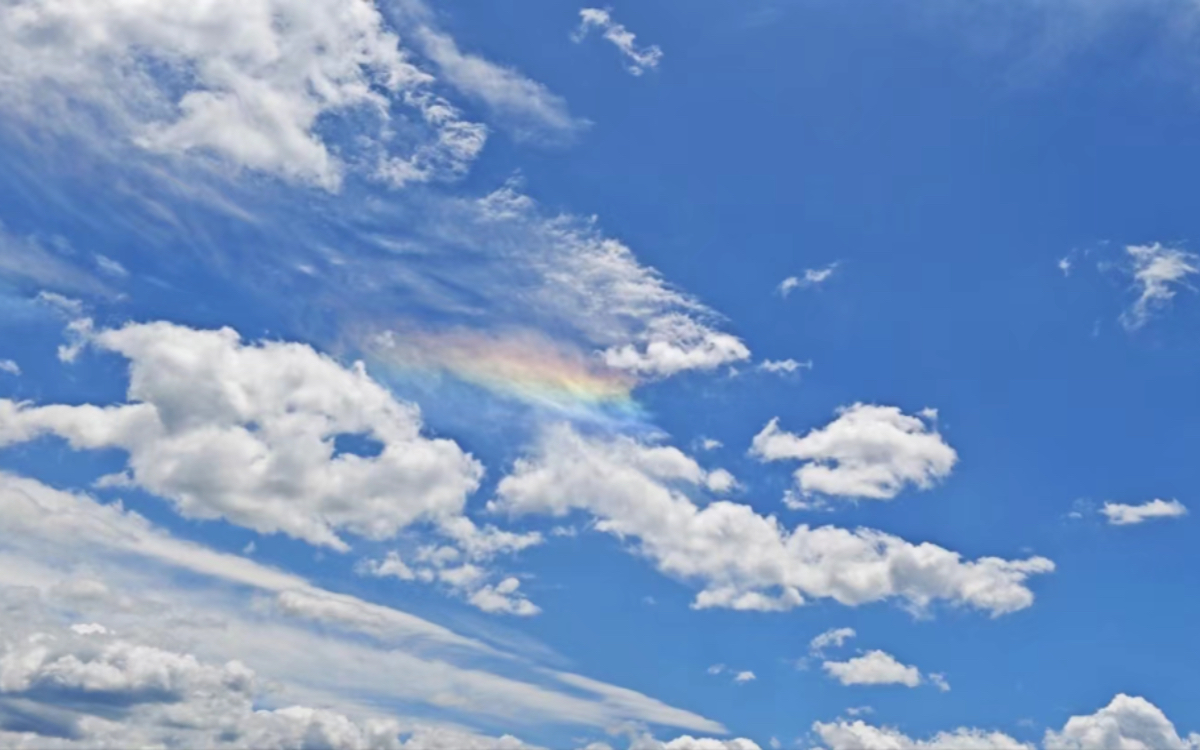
{"x":570,"y":249}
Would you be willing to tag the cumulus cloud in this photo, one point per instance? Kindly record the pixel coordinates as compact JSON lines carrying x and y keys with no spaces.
{"x":637,"y":60}
{"x":1128,"y":723}
{"x":869,"y":451}
{"x":1119,"y":514}
{"x":10,"y":367}
{"x":247,"y":433}
{"x":247,"y":81}
{"x":873,"y":668}
{"x":741,"y":559}
{"x":1157,"y":271}
{"x":744,"y":676}
{"x":812,"y":277}
{"x":858,"y":735}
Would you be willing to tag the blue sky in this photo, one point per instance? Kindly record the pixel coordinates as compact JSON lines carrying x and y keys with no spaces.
{"x":503,"y":375}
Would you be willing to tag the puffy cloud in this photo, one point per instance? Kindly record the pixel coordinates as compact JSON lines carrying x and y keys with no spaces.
{"x":247,"y":81}
{"x":454,"y":566}
{"x":744,"y":560}
{"x":873,"y":668}
{"x":869,"y":452}
{"x":688,"y":742}
{"x":832,"y":637}
{"x":858,"y":735}
{"x":1124,"y":515}
{"x":247,"y":433}
{"x":812,"y":277}
{"x":1126,"y":723}
{"x":10,"y":367}
{"x":745,"y":676}
{"x":1156,"y":271}
{"x":637,"y":60}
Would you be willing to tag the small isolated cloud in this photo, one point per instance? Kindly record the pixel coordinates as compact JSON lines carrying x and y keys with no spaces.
{"x":710,"y":444}
{"x":859,"y":711}
{"x":110,"y":266}
{"x":1157,"y":270}
{"x":637,"y":60}
{"x":833,"y":637}
{"x":812,"y":277}
{"x":869,"y":451}
{"x":873,"y":668}
{"x":1064,"y":265}
{"x":10,"y":367}
{"x":939,"y":681}
{"x":1126,"y":515}
{"x":784,"y":366}
{"x":744,"y":677}
{"x":716,"y":669}
{"x":720,"y":481}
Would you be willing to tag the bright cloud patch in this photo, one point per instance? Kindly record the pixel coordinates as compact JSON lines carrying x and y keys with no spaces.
{"x":1157,"y":271}
{"x":247,"y":433}
{"x":873,"y":668}
{"x":248,"y":81}
{"x":1120,"y":514}
{"x":637,"y":60}
{"x":1128,"y":723}
{"x":869,"y":452}
{"x":834,"y":637}
{"x":812,"y":277}
{"x":858,"y":735}
{"x":744,"y":560}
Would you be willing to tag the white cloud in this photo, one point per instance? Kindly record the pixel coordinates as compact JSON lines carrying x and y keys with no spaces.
{"x":720,"y":481}
{"x":716,"y":669}
{"x":744,"y":677}
{"x":234,"y":608}
{"x":247,"y":81}
{"x":833,"y":637}
{"x":455,"y":566}
{"x":99,"y":690}
{"x":637,"y":60}
{"x":525,"y":269}
{"x":111,"y":267}
{"x":744,"y":560}
{"x":1064,"y":265}
{"x":687,"y":742}
{"x":873,"y":668}
{"x":869,"y":452}
{"x":859,"y":735}
{"x":1127,"y":723}
{"x":246,"y":433}
{"x":10,"y":367}
{"x":939,"y":681}
{"x":710,"y":444}
{"x":1120,"y":514}
{"x":525,"y":106}
{"x":812,"y":277}
{"x":1156,"y":271}
{"x":783,"y":366}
